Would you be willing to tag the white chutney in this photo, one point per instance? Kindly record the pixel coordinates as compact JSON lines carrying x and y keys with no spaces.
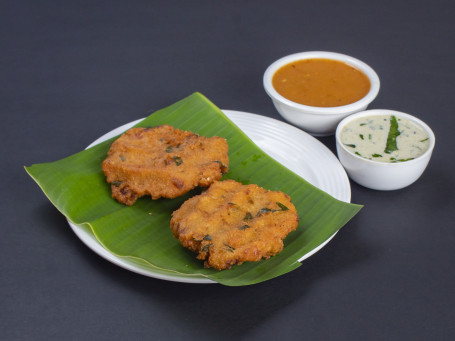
{"x":385,"y":138}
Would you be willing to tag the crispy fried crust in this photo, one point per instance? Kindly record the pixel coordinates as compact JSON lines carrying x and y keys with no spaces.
{"x":231,"y":223}
{"x":163,"y":162}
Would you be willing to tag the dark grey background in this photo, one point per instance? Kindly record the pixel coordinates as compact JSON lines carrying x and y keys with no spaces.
{"x":72,"y":70}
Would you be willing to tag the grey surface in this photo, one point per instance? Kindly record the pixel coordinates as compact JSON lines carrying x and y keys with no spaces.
{"x":71,"y":71}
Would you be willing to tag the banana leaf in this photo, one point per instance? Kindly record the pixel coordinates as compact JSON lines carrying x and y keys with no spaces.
{"x":76,"y":186}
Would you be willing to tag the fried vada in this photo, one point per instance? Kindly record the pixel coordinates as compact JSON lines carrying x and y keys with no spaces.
{"x":163,"y":162}
{"x":231,"y":223}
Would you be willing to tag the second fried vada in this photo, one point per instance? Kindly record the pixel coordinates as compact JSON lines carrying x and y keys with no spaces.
{"x":231,"y":223}
{"x":163,"y":162}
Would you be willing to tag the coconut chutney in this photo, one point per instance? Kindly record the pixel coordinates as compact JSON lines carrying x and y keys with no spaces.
{"x":385,"y":138}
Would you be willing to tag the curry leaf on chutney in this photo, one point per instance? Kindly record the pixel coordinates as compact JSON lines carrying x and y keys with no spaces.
{"x":391,"y":144}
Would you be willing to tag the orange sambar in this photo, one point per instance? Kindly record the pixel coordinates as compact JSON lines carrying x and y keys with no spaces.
{"x":320,"y":82}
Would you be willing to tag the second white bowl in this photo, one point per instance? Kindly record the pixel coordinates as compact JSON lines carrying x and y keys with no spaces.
{"x":383,"y":175}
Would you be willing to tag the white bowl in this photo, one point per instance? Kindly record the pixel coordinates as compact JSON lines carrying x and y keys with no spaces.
{"x":318,"y":121}
{"x":383,"y":175}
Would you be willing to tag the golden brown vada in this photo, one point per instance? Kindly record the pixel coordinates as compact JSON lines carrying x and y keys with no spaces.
{"x":230,"y":223}
{"x":163,"y":162}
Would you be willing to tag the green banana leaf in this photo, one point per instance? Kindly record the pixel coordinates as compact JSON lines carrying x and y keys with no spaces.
{"x":141,"y":233}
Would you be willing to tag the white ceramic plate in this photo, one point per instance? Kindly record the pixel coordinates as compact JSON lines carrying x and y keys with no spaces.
{"x":295,"y":149}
